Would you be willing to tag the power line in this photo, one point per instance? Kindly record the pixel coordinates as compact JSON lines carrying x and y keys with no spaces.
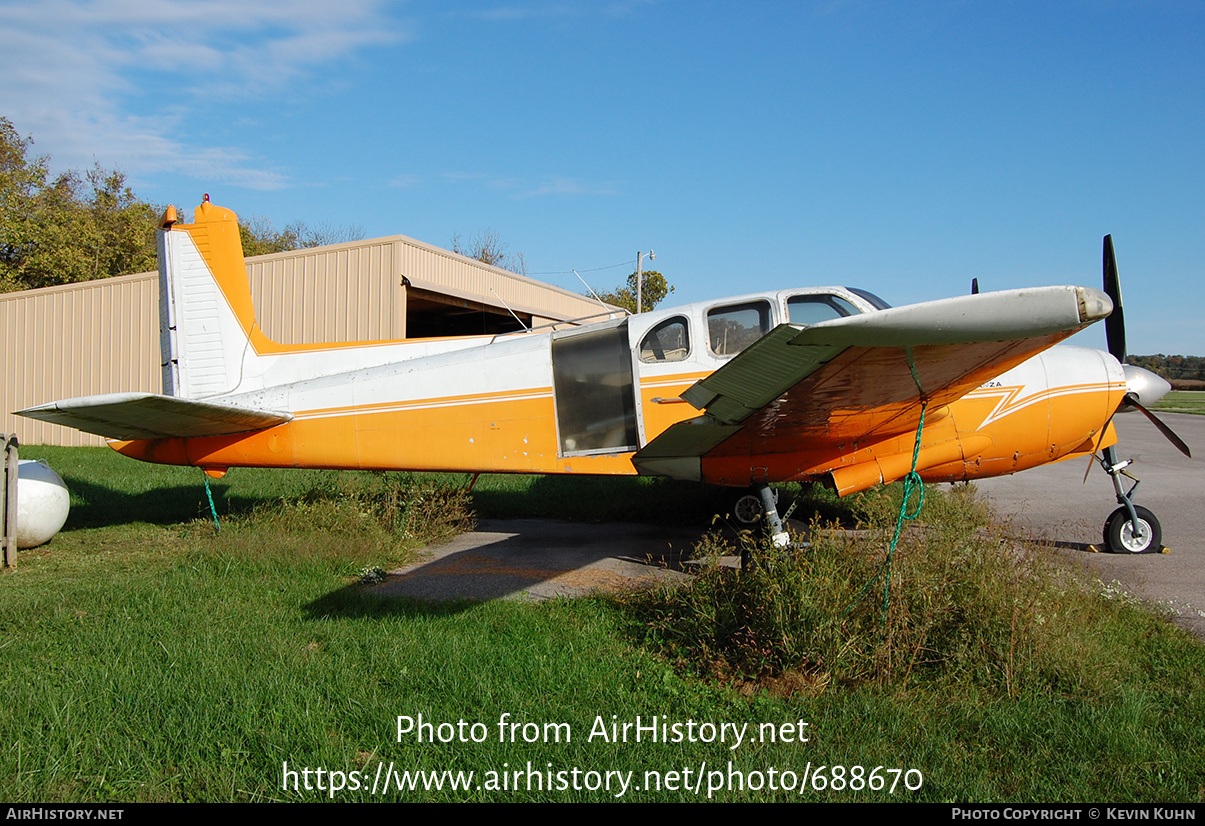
{"x":595,"y":269}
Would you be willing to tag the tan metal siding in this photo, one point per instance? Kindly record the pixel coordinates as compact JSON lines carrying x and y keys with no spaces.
{"x":441,"y":270}
{"x":344,"y":292}
{"x":77,"y":340}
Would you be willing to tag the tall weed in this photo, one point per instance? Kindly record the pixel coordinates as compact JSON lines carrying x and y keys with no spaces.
{"x":358,"y":520}
{"x":964,"y":604}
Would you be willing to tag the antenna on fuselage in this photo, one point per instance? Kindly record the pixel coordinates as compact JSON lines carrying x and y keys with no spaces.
{"x":526,"y":329}
{"x":604,"y":304}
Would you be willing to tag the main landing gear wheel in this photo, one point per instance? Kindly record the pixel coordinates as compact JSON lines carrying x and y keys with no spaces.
{"x":1122,"y":538}
{"x":748,"y":508}
{"x":760,"y":504}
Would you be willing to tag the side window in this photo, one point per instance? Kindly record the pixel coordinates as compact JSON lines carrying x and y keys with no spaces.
{"x":812,"y":309}
{"x":668,"y":341}
{"x":734,"y":327}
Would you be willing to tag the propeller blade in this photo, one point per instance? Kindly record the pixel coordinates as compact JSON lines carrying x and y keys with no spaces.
{"x":974,"y":286}
{"x":1157,"y":422}
{"x":1115,"y":326}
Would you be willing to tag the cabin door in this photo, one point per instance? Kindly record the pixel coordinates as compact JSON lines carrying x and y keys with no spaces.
{"x":594,"y":391}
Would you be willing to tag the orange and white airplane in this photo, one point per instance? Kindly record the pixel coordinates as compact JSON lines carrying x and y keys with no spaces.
{"x":809,"y":384}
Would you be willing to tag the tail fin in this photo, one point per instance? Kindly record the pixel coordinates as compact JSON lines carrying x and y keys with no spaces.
{"x":206,"y":318}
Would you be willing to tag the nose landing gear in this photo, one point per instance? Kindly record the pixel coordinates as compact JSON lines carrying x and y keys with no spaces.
{"x":1130,"y":529}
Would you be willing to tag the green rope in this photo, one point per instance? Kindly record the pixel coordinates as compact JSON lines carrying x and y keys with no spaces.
{"x":911,"y":482}
{"x":212,"y":509}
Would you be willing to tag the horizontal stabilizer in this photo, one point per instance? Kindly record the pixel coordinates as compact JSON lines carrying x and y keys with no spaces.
{"x":127,"y":416}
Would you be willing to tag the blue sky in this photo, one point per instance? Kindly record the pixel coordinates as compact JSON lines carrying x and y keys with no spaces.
{"x":900,"y":147}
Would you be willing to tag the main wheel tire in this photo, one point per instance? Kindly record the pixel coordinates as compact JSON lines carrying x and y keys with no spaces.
{"x":747,"y":509}
{"x":1121,"y":538}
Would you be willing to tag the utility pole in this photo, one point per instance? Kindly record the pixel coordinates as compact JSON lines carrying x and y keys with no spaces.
{"x":640,"y":279}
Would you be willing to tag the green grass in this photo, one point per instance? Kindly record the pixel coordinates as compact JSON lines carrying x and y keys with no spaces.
{"x":1182,"y":401}
{"x":148,"y":658}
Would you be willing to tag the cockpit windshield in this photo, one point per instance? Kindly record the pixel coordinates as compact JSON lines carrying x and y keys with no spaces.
{"x":816,"y":307}
{"x":876,"y":302}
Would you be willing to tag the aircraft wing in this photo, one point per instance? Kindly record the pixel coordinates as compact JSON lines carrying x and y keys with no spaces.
{"x":863,"y":378}
{"x":127,"y":416}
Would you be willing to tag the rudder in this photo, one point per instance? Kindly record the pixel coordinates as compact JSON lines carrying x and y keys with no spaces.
{"x":206,"y":317}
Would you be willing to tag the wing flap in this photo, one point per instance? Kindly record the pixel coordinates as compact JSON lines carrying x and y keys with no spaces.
{"x":675,"y":453}
{"x":128,"y":416}
{"x":758,"y":375}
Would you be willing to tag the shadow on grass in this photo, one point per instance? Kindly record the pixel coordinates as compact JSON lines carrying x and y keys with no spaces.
{"x":361,"y":602}
{"x":650,"y":500}
{"x":597,"y":499}
{"x":588,"y":499}
{"x":96,"y":505}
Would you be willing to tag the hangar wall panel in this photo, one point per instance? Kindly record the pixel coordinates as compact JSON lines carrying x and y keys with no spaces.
{"x":344,"y":292}
{"x":77,"y":340}
{"x":440,"y":270}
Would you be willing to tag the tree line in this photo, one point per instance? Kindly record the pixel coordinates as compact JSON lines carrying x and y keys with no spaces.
{"x":1184,"y":372}
{"x":73,"y":226}
{"x":68,"y":227}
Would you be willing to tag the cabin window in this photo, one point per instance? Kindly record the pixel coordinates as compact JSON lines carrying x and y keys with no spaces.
{"x":668,"y":341}
{"x":812,"y":309}
{"x":734,"y":327}
{"x":595,"y":397}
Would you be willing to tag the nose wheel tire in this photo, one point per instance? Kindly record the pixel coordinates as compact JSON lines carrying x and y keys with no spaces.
{"x":1122,"y":538}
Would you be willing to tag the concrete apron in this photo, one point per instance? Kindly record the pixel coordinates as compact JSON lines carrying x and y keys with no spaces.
{"x":536,"y":560}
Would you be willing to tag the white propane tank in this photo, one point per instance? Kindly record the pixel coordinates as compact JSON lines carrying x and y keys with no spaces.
{"x":42,"y":503}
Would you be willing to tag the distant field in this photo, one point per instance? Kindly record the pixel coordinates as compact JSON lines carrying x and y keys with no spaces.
{"x":1182,"y":401}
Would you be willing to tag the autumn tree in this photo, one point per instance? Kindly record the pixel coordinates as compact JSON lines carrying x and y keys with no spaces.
{"x":260,"y":236}
{"x":1172,"y":368}
{"x":654,"y":289}
{"x":488,"y":248}
{"x":67,"y":228}
{"x":70,"y":227}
